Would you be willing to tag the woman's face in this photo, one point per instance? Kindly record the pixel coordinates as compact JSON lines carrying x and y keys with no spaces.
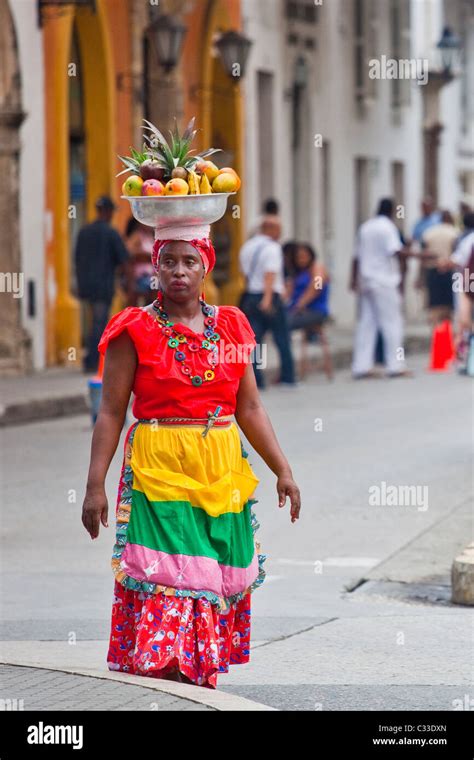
{"x":180,"y":270}
{"x":303,"y":258}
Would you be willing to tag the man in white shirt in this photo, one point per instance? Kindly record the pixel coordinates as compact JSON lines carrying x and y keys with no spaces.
{"x":380,"y":303}
{"x":261,"y":262}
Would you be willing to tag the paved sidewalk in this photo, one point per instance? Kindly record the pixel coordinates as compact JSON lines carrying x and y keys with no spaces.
{"x":55,"y":675}
{"x":23,"y":688}
{"x":63,"y":391}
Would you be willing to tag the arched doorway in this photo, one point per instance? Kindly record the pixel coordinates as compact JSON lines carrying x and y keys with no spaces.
{"x":15,"y":344}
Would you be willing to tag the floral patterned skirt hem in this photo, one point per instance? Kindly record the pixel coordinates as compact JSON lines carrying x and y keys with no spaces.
{"x":151,"y":634}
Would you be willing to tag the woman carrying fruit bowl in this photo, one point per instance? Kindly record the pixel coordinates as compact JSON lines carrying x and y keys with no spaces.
{"x":186,"y":558}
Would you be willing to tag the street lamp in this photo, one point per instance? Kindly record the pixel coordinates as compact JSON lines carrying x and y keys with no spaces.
{"x":167,"y":36}
{"x":234,"y":49}
{"x":449,"y":46}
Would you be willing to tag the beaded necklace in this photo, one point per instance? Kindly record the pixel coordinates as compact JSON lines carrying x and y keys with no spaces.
{"x":177,"y":341}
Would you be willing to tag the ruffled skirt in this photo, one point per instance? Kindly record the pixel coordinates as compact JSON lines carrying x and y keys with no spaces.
{"x":186,"y":558}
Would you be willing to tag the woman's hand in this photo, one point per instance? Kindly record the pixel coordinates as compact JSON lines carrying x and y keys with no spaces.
{"x":95,"y":510}
{"x":286,"y":486}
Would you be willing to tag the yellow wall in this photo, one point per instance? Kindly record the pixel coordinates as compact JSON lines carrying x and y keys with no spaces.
{"x":105,"y":49}
{"x":62,"y":312}
{"x":104,"y":40}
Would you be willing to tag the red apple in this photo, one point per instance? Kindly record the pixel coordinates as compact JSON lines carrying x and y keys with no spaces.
{"x":153,"y":187}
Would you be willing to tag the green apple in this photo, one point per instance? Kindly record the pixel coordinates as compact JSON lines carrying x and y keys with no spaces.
{"x":132,"y":185}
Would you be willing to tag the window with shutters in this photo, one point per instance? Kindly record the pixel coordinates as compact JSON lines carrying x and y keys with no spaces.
{"x":365,"y":23}
{"x":400,"y":51}
{"x":305,"y":11}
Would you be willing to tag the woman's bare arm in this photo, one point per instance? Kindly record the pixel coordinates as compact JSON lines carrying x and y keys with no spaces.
{"x":255,"y":423}
{"x":117,"y":382}
{"x":312,"y":292}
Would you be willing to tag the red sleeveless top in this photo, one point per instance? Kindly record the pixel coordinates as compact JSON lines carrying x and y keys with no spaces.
{"x":160,"y":387}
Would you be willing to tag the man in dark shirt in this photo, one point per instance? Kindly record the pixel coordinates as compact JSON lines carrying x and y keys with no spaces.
{"x":99,"y":251}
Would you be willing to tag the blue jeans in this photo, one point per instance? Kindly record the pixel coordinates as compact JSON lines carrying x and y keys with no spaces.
{"x":100,"y":316}
{"x":277,"y":323}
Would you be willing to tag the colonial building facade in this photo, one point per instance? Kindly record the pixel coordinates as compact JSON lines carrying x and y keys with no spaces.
{"x":308,"y":124}
{"x":327,"y":138}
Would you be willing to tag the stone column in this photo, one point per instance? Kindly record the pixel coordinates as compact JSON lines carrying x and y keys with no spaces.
{"x":15,"y":342}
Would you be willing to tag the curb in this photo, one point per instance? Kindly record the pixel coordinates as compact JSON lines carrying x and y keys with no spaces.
{"x":218,"y":700}
{"x":35,"y":410}
{"x":405,"y":567}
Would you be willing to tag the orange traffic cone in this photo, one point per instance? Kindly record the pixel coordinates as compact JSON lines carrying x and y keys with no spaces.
{"x":442,"y":347}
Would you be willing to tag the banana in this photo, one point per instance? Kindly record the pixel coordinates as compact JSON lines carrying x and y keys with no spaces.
{"x":205,"y":185}
{"x":193,"y":182}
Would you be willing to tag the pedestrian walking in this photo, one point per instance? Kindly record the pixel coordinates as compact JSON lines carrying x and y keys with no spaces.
{"x":186,"y":558}
{"x":139,"y":283}
{"x":438,"y":242}
{"x":261,"y":262}
{"x":271,"y":206}
{"x":462,"y":261}
{"x":379,"y":299}
{"x":429,"y":218}
{"x":99,"y":255}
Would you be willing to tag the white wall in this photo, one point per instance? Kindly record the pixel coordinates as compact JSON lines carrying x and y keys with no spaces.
{"x":333,"y":115}
{"x":456,"y":153}
{"x":32,"y":167}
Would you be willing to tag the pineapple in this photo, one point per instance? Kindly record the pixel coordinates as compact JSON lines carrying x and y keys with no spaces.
{"x":176,"y":154}
{"x":143,"y":164}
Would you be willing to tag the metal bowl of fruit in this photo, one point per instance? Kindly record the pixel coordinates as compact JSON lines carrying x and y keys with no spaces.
{"x":184,"y":210}
{"x":171,"y":185}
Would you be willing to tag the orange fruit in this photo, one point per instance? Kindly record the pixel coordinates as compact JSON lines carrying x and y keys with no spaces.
{"x":228,"y":170}
{"x":177,"y":187}
{"x":210,"y":170}
{"x":225,"y":183}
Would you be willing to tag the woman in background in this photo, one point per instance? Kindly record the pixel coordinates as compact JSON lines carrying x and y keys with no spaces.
{"x":308,"y":301}
{"x":139,"y":242}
